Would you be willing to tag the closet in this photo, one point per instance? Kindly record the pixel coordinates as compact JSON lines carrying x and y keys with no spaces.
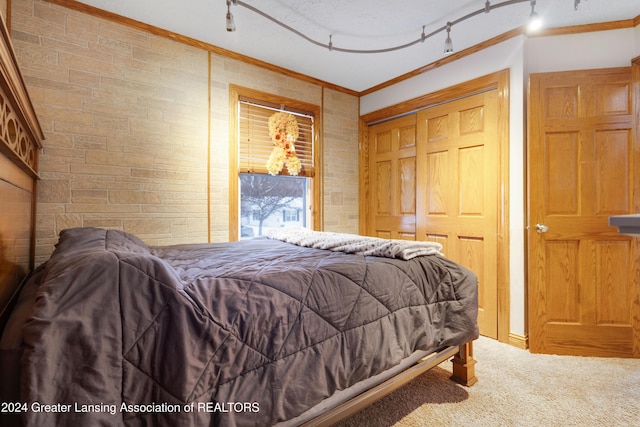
{"x":437,"y":174}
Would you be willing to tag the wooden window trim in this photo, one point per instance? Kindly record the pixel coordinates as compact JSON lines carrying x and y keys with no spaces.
{"x":235,"y":94}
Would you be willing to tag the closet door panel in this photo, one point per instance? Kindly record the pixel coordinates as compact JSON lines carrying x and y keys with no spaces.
{"x":392,"y":165}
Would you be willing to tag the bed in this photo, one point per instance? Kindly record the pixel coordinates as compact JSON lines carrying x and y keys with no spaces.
{"x":286,"y":330}
{"x":255,"y":332}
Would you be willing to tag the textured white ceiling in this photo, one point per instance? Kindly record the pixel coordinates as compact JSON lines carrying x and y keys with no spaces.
{"x":354,"y":24}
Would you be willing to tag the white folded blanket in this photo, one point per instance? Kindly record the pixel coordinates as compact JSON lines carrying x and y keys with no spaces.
{"x":355,"y":244}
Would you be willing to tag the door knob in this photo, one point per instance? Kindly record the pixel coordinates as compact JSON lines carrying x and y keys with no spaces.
{"x":541,"y":228}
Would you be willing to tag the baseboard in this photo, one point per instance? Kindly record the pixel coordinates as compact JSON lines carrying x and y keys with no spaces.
{"x":519,"y":341}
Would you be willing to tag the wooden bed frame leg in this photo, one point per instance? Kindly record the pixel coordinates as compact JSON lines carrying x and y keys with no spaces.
{"x":464,"y":371}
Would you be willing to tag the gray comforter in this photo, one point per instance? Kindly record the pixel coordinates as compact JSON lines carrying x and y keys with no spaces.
{"x":245,"y":333}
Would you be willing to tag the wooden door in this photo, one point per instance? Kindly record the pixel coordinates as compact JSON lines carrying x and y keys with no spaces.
{"x":459,"y":164}
{"x":392,"y":169}
{"x":584,"y":290}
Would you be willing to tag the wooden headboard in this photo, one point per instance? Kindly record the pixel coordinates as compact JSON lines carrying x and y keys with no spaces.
{"x":20,"y":141}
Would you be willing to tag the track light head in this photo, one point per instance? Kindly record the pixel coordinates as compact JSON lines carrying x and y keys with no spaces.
{"x":448,"y":44}
{"x":231,"y":24}
{"x":535,"y":21}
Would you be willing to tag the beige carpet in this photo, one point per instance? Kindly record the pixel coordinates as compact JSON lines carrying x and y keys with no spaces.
{"x":516,"y":388}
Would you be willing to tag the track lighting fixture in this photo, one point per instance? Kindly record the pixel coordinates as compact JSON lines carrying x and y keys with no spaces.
{"x":535,"y":22}
{"x":448,"y":44}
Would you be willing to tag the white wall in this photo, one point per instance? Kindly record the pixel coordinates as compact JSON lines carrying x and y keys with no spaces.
{"x":521,"y":56}
{"x":488,"y":61}
{"x":601,"y":49}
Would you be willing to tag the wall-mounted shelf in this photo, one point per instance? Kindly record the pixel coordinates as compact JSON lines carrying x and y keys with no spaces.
{"x":627,"y":224}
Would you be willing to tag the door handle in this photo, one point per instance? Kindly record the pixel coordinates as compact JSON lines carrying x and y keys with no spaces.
{"x":541,"y":228}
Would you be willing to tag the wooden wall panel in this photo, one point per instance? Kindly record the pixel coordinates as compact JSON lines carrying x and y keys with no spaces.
{"x":471,"y":120}
{"x":563,"y":293}
{"x":613,"y":163}
{"x":383,"y":180}
{"x":612,"y":99}
{"x":437,"y":167}
{"x":472,"y":181}
{"x":471,"y":253}
{"x":561,"y":102}
{"x":561,"y":151}
{"x":613,"y":284}
{"x":407,"y":137}
{"x":382,"y":142}
{"x":407,"y":183}
{"x":438,"y":129}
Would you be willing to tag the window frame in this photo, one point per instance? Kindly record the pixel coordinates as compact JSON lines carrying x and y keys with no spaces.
{"x":316,"y":199}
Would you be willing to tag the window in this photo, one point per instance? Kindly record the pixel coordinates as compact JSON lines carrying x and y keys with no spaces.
{"x":260,"y":201}
{"x":268,"y":202}
{"x":291,"y":215}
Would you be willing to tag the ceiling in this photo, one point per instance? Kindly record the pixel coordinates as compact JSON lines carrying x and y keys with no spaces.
{"x":355,"y":24}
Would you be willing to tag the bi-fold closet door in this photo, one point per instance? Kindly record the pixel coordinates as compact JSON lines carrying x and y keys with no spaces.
{"x":434,"y":175}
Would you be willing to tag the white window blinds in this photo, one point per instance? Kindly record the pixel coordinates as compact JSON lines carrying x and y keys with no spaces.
{"x":255,"y":144}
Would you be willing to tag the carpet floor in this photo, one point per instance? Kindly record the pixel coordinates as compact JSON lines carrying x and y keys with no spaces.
{"x":516,"y":388}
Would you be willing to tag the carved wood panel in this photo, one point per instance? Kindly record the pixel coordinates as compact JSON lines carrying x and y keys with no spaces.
{"x":20,"y":140}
